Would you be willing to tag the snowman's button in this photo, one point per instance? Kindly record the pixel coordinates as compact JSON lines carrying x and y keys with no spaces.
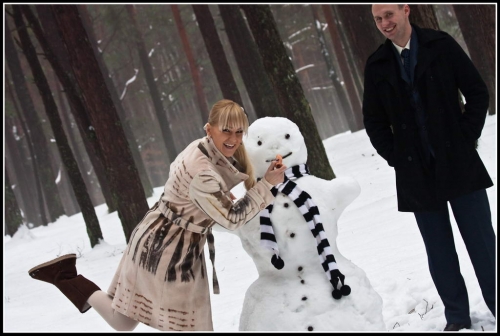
{"x":285,"y":205}
{"x":292,"y":235}
{"x":310,"y":328}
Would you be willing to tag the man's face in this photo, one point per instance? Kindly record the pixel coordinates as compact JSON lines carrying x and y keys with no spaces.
{"x":393,"y":22}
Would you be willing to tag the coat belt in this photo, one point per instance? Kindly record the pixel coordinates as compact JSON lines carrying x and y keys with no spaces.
{"x":190,"y":226}
{"x":179,"y":221}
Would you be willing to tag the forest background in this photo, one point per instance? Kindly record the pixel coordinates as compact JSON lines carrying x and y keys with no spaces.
{"x":99,"y":99}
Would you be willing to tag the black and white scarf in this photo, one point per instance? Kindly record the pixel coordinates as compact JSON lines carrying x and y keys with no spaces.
{"x":312,"y":217}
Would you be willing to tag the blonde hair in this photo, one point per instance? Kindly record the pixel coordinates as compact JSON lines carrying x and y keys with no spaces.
{"x":224,"y":114}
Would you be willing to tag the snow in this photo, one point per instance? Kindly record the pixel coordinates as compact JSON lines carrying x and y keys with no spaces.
{"x":382,"y":242}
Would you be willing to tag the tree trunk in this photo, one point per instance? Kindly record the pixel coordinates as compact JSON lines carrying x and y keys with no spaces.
{"x":480,"y":40}
{"x":287,"y":86}
{"x":424,"y":16}
{"x":42,"y":158}
{"x":13,"y":216}
{"x":146,"y":183}
{"x":351,"y":59}
{"x":363,"y":36}
{"x":124,"y":179}
{"x":153,"y":88}
{"x":28,"y":185}
{"x":216,"y":53}
{"x":76,"y":179}
{"x":195,"y":72}
{"x":333,"y":74}
{"x":354,"y":116}
{"x":68,"y":195}
{"x":56,"y":54}
{"x":340,"y":95}
{"x":259,"y":88}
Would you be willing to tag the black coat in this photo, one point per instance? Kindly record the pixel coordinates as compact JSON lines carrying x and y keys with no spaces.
{"x":442,"y":70}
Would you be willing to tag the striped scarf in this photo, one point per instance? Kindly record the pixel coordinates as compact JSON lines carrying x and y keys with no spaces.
{"x":312,"y":217}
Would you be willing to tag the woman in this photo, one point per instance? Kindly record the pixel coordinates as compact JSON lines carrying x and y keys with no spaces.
{"x":162,"y":280}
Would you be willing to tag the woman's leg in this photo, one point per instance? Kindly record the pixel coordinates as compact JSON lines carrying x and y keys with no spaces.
{"x":83,"y":293}
{"x":101,"y":302}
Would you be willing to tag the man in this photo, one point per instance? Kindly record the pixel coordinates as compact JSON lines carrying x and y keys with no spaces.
{"x":414,"y":120}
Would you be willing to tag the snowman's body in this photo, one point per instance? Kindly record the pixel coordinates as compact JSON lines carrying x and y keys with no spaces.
{"x":298,"y":297}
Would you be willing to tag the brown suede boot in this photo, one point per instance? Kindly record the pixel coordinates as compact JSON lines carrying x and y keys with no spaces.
{"x":61,"y":272}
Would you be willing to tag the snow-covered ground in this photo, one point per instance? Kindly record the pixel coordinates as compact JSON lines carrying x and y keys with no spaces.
{"x":383,"y":242}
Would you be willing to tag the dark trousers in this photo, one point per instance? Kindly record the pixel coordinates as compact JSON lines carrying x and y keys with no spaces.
{"x":473,"y":217}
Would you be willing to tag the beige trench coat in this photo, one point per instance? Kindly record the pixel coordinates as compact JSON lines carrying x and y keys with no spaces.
{"x":161,"y":280}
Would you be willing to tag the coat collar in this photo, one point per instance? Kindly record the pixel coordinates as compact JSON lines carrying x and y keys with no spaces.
{"x":229,"y":168}
{"x":385,"y":57}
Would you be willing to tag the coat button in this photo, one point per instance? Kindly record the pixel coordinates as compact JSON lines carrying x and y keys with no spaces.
{"x":403,"y":126}
{"x":410,"y":158}
{"x":447,"y":144}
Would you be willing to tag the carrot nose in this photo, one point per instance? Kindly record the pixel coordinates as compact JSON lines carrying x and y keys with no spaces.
{"x":279,"y":160}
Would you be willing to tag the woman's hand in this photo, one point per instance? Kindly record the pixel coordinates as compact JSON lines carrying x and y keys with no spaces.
{"x":275,"y":175}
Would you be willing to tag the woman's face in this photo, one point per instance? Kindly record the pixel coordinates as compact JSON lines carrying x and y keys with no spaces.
{"x":226,"y":140}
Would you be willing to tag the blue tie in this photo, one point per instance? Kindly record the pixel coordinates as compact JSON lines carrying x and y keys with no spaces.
{"x":406,"y":59}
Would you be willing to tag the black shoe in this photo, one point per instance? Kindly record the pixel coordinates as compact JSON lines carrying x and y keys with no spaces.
{"x":456,"y":326}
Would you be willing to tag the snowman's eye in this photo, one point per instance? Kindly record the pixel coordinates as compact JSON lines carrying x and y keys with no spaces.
{"x":287,"y":136}
{"x":259,"y":142}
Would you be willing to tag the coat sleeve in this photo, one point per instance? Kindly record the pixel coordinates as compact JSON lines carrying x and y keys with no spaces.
{"x":207,"y":193}
{"x":474,"y":90}
{"x":376,"y":120}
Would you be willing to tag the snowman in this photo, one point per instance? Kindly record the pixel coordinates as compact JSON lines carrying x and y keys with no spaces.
{"x":304,"y":282}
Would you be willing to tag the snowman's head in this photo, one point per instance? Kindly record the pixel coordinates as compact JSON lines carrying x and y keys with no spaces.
{"x":269,"y":136}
